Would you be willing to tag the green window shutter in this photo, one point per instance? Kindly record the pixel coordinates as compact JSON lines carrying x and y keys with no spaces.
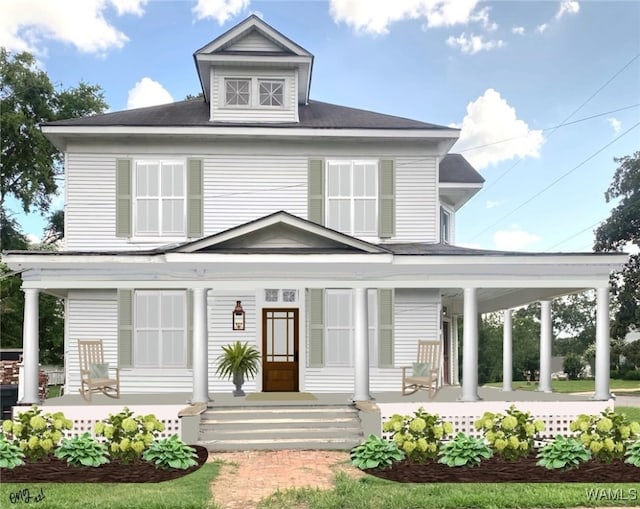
{"x":189,"y":329}
{"x":123,"y":198}
{"x":385,"y":328}
{"x":195,"y":198}
{"x":387,"y":199}
{"x":316,"y":328}
{"x":315,"y":184}
{"x":125,"y":328}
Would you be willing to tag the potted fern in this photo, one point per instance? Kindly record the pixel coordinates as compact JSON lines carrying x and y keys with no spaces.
{"x":238,"y":361}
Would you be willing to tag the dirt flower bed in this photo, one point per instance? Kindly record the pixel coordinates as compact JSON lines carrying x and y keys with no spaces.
{"x":52,"y":469}
{"x":499,"y":470}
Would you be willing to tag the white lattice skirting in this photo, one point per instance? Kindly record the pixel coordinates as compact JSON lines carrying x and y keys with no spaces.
{"x":557,"y":415}
{"x":85,"y":417}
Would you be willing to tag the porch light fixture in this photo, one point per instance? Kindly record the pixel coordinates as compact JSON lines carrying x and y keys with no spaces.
{"x":237,"y":322}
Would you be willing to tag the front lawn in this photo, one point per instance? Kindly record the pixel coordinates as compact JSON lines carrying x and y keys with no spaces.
{"x":566,"y":386}
{"x":188,"y":492}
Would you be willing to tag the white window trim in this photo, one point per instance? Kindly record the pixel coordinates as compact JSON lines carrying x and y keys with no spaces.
{"x":254,"y":93}
{"x":155,"y":237}
{"x":448,"y":213}
{"x":361,"y":235}
{"x":136,"y":329}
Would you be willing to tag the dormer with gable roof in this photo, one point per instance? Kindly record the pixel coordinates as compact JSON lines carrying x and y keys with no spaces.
{"x":253,"y":73}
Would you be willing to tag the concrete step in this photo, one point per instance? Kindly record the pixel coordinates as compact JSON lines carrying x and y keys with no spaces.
{"x":280,"y":427}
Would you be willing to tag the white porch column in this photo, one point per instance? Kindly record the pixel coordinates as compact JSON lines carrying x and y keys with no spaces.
{"x":544,"y":385}
{"x":31,"y":347}
{"x":361,"y":346}
{"x":200,"y":349}
{"x":470,"y":347}
{"x":507,"y":349}
{"x":602,"y":345}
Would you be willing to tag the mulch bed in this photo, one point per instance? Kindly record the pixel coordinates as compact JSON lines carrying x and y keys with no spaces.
{"x":55,"y":470}
{"x":497,"y":470}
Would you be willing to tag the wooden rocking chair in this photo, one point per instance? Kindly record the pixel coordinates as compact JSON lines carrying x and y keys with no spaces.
{"x":94,"y":372}
{"x":425,"y":372}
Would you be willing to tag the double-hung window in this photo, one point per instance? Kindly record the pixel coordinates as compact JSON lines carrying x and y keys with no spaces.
{"x":159,"y":198}
{"x":339,"y":332}
{"x":160,"y":329}
{"x":352,"y":197}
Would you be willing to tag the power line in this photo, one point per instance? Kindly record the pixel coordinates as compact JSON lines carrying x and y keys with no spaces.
{"x":573,"y":236}
{"x":564,"y":175}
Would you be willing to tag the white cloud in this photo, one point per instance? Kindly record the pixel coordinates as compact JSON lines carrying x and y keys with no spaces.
{"x":517,"y":30}
{"x":375,"y":16}
{"x":482,"y":16}
{"x":542,"y":28}
{"x":26,"y":23}
{"x":220,"y":10}
{"x":615,"y":124}
{"x":147,"y":92}
{"x":473,"y":43}
{"x":492,"y":204}
{"x":33,"y":239}
{"x":631,"y":248}
{"x":567,"y":7}
{"x":489,"y":121}
{"x":514,"y":239}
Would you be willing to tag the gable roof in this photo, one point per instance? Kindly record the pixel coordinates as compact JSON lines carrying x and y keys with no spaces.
{"x":240,"y":41}
{"x":454,"y":168}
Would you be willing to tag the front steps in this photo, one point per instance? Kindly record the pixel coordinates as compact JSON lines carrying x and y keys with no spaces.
{"x":280,"y":427}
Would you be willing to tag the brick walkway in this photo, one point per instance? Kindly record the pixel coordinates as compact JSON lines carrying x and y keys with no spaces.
{"x":249,"y":476}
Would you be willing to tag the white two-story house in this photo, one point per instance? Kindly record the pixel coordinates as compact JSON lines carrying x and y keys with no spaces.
{"x":330,"y":230}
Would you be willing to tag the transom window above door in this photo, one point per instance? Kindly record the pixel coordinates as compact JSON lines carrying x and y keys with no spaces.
{"x":352,"y":196}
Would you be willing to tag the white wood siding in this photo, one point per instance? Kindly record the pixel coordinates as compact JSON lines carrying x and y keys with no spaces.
{"x":254,"y":42}
{"x":220,"y":305}
{"x":416,"y":200}
{"x":415,"y":318}
{"x":222,"y":113}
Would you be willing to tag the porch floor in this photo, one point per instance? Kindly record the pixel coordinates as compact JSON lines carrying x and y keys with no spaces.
{"x":445,"y":395}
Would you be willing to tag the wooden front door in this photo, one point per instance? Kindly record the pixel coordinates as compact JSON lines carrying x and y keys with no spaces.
{"x":280,"y":350}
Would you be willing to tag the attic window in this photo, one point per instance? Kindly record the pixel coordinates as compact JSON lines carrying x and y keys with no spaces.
{"x":238,"y":92}
{"x":271,"y":92}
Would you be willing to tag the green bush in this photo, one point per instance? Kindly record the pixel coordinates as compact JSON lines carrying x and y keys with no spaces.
{"x":563,"y":453}
{"x":375,"y":452}
{"x":126,"y":435}
{"x":11,"y":455}
{"x":420,"y":436}
{"x":512,"y":435}
{"x":464,"y":450}
{"x":83,"y":450}
{"x":606,"y":435}
{"x":171,"y":453}
{"x":572,"y":365}
{"x":37,"y":434}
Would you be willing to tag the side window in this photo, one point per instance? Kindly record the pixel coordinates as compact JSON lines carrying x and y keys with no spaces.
{"x":445,"y":226}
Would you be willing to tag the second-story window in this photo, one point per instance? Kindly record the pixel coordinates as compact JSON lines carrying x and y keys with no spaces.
{"x":237,"y":92}
{"x":352,"y":197}
{"x":159,"y":208}
{"x":445,"y":226}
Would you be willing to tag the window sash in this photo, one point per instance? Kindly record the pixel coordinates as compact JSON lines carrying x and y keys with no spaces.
{"x":237,"y":92}
{"x":271,"y":92}
{"x":340,"y":330}
{"x":159,"y":198}
{"x":352,"y":197}
{"x":160,"y":329}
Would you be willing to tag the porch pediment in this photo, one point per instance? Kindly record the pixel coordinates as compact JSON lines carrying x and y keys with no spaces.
{"x":280,"y":232}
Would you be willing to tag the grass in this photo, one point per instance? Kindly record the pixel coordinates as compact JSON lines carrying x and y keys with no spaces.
{"x":54,"y":391}
{"x":632,"y":412}
{"x":188,"y":492}
{"x":374,"y":493}
{"x":566,"y":386}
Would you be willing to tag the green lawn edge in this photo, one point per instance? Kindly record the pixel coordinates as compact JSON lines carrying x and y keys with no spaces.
{"x":569,"y":386}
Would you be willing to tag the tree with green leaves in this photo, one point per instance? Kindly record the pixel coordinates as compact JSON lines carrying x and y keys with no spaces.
{"x":622,"y":228}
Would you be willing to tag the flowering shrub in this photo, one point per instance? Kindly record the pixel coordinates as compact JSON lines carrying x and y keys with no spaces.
{"x":126,"y":435}
{"x":606,"y":435}
{"x":512,"y":435}
{"x":420,"y":436}
{"x":37,"y":434}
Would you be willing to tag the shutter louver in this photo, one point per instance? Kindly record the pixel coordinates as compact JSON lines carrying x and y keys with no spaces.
{"x":387,"y":199}
{"x":195,"y":198}
{"x":385,"y":328}
{"x":315,"y":185}
{"x":123,"y":198}
{"x":316,"y":328}
{"x":125,"y":328}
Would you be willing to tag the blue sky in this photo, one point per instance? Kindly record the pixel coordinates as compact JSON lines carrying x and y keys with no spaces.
{"x":500,"y":70}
